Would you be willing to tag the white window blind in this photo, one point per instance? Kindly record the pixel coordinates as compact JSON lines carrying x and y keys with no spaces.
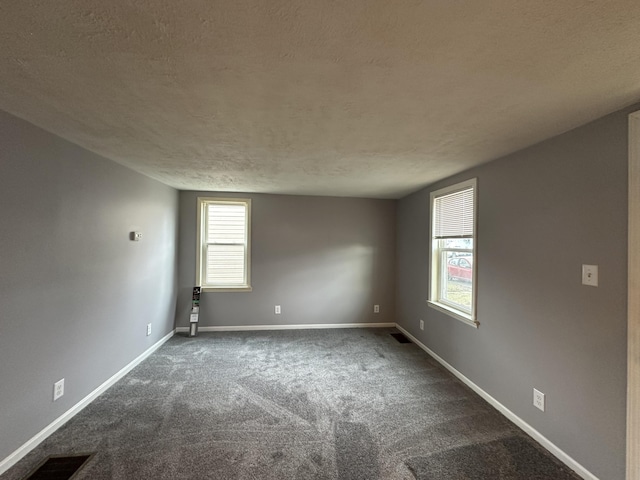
{"x":226,"y":244}
{"x":454,"y":215}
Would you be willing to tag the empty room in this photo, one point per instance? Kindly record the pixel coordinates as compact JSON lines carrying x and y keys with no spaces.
{"x":320,"y":240}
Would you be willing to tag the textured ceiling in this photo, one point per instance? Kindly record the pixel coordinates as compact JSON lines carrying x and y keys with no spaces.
{"x":371,"y":98}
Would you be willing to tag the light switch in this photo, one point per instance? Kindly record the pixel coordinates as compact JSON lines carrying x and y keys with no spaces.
{"x":590,"y":275}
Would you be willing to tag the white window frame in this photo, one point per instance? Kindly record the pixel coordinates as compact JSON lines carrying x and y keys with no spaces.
{"x":201,"y":246}
{"x":435,"y":264}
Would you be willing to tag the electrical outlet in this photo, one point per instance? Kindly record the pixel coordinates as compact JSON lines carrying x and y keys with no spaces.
{"x":376,"y":309}
{"x":590,"y":275}
{"x":278,"y":310}
{"x":538,"y":399}
{"x":58,"y":389}
{"x":421,"y":324}
{"x":148,"y":329}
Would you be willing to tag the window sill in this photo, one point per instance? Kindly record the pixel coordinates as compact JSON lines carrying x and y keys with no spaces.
{"x":468,"y":319}
{"x":242,"y":288}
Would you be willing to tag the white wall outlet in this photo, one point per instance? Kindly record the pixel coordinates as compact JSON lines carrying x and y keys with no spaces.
{"x":58,"y":389}
{"x":590,"y":275}
{"x":278,"y":310}
{"x":538,"y":399}
{"x":135,"y":236}
{"x":421,"y":324}
{"x":376,"y":309}
{"x":148,"y":329}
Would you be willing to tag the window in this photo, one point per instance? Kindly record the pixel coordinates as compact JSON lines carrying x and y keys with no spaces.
{"x":453,"y":251}
{"x":223,"y":250}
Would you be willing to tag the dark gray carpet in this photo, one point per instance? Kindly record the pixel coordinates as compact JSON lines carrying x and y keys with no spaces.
{"x":510,"y":458}
{"x":307,"y":404}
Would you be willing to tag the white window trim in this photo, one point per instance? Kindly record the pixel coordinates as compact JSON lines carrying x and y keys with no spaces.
{"x":200,"y":245}
{"x":434,"y":267}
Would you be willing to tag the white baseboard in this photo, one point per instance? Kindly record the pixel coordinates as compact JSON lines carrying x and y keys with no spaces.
{"x":542,"y":440}
{"x":16,"y":456}
{"x":242,"y":328}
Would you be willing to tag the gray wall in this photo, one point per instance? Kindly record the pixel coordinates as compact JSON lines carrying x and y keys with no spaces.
{"x":323,"y":259}
{"x":542,"y":213}
{"x":75,"y":292}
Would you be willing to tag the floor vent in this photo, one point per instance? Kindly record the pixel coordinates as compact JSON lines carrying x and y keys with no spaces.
{"x":59,"y":467}
{"x":400,"y":338}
